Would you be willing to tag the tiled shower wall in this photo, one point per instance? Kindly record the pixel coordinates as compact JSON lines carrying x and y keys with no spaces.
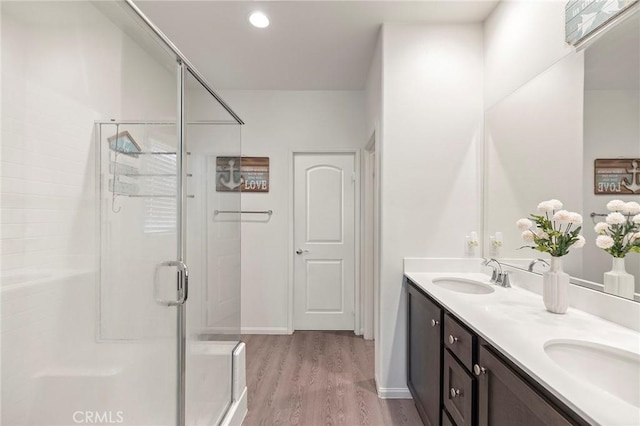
{"x":56,"y":81}
{"x":47,"y":154}
{"x":63,"y":67}
{"x":47,"y":180}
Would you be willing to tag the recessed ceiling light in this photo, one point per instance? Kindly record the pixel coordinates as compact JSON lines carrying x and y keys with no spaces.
{"x":259,"y":20}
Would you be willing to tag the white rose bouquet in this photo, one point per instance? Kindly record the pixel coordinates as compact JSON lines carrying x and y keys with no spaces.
{"x":554,"y":231}
{"x":620,"y":232}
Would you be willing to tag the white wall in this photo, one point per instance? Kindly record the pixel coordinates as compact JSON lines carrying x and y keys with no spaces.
{"x":373,"y":90}
{"x":277,"y":123}
{"x":374,"y":104}
{"x":522,"y":39}
{"x":430,"y":177}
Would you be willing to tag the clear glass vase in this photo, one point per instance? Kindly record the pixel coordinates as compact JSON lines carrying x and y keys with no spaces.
{"x":555,"y":290}
{"x":618,"y":281}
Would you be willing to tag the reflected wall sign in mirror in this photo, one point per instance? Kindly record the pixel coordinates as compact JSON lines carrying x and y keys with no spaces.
{"x":542,"y":140}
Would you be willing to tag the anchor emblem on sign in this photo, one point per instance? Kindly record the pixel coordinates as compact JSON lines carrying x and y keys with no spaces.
{"x":231,"y":183}
{"x":633,"y":186}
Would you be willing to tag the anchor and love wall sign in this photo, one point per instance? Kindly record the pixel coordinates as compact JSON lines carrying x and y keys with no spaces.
{"x":617,"y":176}
{"x":245,"y":174}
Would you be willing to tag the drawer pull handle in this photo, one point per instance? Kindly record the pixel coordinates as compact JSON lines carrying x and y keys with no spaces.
{"x":455,"y":392}
{"x":434,"y":322}
{"x":477,"y":370}
{"x":452,"y":339}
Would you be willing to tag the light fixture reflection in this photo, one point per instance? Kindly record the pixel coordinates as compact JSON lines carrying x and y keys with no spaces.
{"x":259,"y":20}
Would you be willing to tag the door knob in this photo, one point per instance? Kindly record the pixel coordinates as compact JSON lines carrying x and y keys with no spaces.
{"x":300,"y":251}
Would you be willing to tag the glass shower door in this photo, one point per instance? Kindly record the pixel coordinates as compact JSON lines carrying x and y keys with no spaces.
{"x":143,"y":283}
{"x":99,"y":199}
{"x":89,"y":330}
{"x":213,"y":251}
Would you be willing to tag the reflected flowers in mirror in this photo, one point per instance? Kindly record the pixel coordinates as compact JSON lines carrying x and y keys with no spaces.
{"x":619,"y":234}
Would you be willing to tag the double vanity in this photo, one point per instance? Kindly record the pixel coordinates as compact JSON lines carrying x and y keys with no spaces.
{"x":483,"y":354}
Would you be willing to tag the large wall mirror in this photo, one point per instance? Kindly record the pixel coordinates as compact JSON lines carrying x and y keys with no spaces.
{"x":541,"y":142}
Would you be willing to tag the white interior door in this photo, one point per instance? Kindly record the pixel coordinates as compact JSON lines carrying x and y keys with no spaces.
{"x":324,"y":238}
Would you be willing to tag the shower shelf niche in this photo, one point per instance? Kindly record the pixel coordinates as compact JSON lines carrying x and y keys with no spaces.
{"x":131,"y":172}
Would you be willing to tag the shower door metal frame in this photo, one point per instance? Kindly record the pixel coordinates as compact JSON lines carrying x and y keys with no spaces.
{"x":184,"y":68}
{"x":181,"y":153}
{"x":183,"y":60}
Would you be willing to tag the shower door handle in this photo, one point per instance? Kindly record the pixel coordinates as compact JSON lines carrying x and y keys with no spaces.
{"x":182,"y":286}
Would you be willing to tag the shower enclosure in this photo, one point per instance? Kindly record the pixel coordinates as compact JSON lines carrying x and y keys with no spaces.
{"x":120,"y":284}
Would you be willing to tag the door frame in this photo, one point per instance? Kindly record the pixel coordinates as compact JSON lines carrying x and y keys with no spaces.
{"x":369,"y":239}
{"x":357,"y":228}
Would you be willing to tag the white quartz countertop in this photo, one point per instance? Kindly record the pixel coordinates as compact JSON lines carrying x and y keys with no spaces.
{"x":517,"y":324}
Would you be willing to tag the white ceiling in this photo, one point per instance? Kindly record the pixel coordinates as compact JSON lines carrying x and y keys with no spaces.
{"x":310,"y":45}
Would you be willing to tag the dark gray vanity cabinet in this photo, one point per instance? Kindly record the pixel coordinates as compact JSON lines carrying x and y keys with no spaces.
{"x":424,"y":355}
{"x":459,"y":384}
{"x":458,"y":391}
{"x":505,"y":399}
{"x":458,"y":379}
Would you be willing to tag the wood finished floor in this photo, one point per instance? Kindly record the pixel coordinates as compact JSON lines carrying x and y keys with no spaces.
{"x":317,"y":378}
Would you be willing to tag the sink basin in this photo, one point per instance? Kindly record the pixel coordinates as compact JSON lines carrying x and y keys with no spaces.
{"x":613,"y":370}
{"x":463,"y":285}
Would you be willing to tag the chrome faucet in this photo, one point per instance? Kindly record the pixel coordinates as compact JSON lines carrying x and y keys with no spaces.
{"x":494,"y":274}
{"x":533,"y":263}
{"x":500,"y":278}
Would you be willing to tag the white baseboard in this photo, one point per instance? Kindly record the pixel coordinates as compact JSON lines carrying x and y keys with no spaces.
{"x":394,"y":393}
{"x":265,"y":330}
{"x":237,"y":411}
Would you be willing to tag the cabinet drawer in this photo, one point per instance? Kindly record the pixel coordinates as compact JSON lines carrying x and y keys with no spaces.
{"x":459,"y":341}
{"x":506,"y":399}
{"x":458,"y":391}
